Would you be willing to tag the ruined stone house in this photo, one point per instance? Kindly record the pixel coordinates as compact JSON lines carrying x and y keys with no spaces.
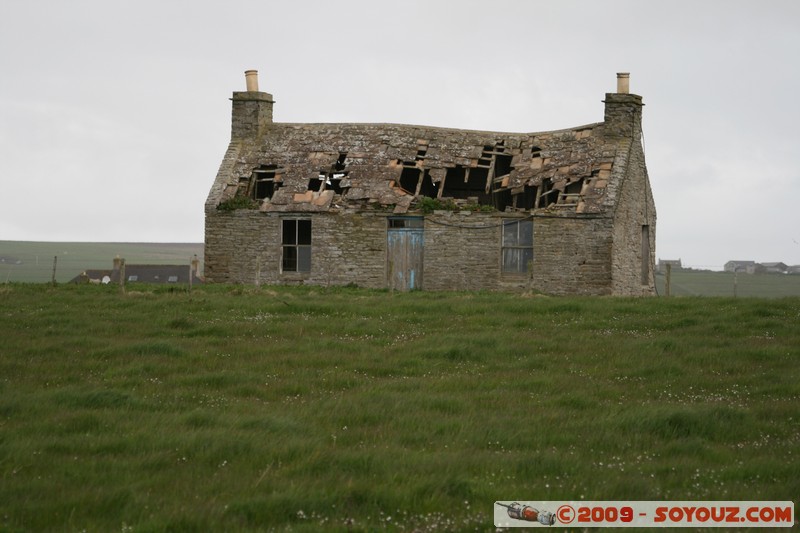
{"x":421,"y":207}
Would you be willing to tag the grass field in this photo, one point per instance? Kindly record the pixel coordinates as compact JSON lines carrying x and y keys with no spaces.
{"x":705,"y":283}
{"x":32,"y":262}
{"x":300,"y":409}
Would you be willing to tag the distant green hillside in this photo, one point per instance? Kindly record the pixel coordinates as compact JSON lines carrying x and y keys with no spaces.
{"x":704,"y":283}
{"x":25,"y":261}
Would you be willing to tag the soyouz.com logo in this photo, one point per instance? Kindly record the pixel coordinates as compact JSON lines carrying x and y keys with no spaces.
{"x":644,"y":514}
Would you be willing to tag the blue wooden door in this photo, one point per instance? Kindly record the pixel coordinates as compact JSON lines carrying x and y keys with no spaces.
{"x":405,"y":240}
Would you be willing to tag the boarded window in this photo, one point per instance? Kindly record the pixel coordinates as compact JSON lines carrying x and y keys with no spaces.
{"x":517,"y":246}
{"x":296,"y":240}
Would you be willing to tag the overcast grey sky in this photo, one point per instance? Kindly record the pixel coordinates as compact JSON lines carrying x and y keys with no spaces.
{"x":114,"y":115}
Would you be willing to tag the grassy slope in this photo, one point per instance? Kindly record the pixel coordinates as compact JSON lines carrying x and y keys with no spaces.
{"x":75,"y":257}
{"x":295,"y":408}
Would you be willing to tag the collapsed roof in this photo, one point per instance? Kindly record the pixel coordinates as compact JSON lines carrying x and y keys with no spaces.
{"x":289,"y":167}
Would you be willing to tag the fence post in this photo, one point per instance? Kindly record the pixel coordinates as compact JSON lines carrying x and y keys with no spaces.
{"x":668,"y":280}
{"x":55,"y":260}
{"x":122,"y":275}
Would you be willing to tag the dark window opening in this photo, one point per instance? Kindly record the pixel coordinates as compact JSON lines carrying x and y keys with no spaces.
{"x":428,"y":187}
{"x":574,"y":187}
{"x":502,"y":165}
{"x":486,"y":156}
{"x":265,"y":189}
{"x":331,"y":179}
{"x":334,"y":182}
{"x":296,"y":241}
{"x":406,"y":222}
{"x":339,"y":165}
{"x":454,"y":178}
{"x":315,"y":184}
{"x":517,"y":246}
{"x":409,"y":179}
{"x":502,"y":199}
{"x":527,"y":199}
{"x":462,"y":183}
{"x":549,"y":195}
{"x":411,"y":174}
{"x":264,"y":181}
{"x":572,"y":192}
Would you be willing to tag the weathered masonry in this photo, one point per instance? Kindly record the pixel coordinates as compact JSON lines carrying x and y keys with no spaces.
{"x":418,"y":207}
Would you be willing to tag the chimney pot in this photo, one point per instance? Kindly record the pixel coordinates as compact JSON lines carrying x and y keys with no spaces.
{"x":251,"y":78}
{"x":623,"y":82}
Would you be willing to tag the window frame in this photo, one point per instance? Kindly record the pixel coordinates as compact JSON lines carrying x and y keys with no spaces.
{"x":519,"y":248}
{"x":296,"y":239}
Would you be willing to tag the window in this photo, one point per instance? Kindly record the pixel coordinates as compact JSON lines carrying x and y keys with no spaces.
{"x":517,"y":246}
{"x":406,"y":222}
{"x":172,"y":279}
{"x":296,"y":240}
{"x":133,"y":277}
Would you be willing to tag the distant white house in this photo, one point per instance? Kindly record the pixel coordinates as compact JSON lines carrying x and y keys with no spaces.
{"x":748,"y":267}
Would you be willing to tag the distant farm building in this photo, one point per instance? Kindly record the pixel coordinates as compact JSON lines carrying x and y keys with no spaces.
{"x":751,"y":267}
{"x":142,"y":273}
{"x":775,"y":268}
{"x":674,"y":264}
{"x":747,"y":267}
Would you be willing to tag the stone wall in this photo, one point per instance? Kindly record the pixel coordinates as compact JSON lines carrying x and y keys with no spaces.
{"x":461,"y":252}
{"x":633,"y":273}
{"x":572,"y":255}
{"x":244,"y":246}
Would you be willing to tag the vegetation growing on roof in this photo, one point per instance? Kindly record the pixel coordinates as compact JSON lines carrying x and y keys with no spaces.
{"x":237,"y":202}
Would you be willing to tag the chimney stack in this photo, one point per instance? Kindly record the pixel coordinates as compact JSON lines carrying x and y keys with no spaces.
{"x":252,"y":109}
{"x":251,"y":79}
{"x":623,"y":112}
{"x":623,"y":82}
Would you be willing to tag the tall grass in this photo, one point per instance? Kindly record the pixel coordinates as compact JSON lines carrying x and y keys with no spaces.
{"x":244,"y":409}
